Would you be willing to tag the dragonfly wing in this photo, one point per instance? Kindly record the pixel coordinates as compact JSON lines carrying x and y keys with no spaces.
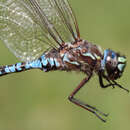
{"x":20,"y":33}
{"x":29,"y":27}
{"x":61,"y":16}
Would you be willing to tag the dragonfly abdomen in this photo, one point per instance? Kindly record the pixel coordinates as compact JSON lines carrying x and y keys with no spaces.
{"x":18,"y":67}
{"x":44,"y":63}
{"x":49,"y":63}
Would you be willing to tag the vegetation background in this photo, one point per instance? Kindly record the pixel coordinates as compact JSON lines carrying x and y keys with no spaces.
{"x":35,"y":100}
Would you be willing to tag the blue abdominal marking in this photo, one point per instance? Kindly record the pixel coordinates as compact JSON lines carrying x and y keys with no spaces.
{"x":35,"y":64}
{"x":12,"y":68}
{"x":44,"y":60}
{"x":27,"y":65}
{"x":18,"y":66}
{"x":51,"y":61}
{"x":56,"y":63}
{"x":7,"y":69}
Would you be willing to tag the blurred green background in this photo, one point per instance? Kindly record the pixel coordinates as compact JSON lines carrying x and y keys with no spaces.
{"x":35,"y":100}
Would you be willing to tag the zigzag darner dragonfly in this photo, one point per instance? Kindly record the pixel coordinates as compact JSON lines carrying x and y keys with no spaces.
{"x":44,"y":34}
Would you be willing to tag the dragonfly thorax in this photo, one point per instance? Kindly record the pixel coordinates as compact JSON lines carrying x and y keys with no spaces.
{"x":82,"y":56}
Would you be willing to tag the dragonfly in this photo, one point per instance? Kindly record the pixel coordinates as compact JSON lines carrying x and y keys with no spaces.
{"x":44,"y":34}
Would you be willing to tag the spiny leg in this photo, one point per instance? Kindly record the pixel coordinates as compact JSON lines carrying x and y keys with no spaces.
{"x":84,"y":105}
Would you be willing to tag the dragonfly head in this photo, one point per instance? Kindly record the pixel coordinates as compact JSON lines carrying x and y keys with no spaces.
{"x":113,"y":63}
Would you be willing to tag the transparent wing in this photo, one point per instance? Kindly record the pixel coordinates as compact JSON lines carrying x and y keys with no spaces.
{"x":29,"y":27}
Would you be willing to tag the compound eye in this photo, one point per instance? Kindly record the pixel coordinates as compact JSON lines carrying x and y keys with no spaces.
{"x":112,"y":61}
{"x":121,"y":67}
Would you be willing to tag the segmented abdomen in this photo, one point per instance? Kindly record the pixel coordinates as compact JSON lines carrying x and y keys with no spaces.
{"x":42,"y":63}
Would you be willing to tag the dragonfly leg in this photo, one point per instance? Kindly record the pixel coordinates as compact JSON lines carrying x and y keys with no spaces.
{"x":111,"y":83}
{"x":121,"y":86}
{"x":84,"y":105}
{"x":102,"y":84}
